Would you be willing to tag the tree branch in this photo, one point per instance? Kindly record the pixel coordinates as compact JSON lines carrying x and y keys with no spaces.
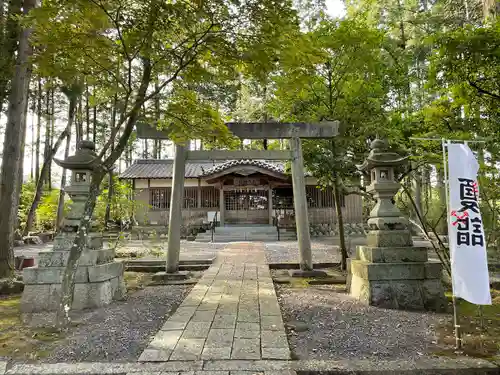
{"x":132,"y":118}
{"x":483,"y":91}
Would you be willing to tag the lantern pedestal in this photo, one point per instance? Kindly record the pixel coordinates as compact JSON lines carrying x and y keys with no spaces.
{"x":397,"y":278}
{"x":390,"y":272}
{"x":98,"y":278}
{"x":389,"y":238}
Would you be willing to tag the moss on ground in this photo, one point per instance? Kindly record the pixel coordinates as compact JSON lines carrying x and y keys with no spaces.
{"x":156,"y":251}
{"x":18,"y":341}
{"x":135,"y":281}
{"x":481,"y":337}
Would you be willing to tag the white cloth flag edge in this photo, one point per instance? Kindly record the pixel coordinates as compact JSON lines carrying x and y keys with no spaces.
{"x":470,"y":278}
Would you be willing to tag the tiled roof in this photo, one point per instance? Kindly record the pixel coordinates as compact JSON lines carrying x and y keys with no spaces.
{"x":271,"y":166}
{"x":153,"y":168}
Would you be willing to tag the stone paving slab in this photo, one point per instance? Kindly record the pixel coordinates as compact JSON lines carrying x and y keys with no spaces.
{"x":423,"y":366}
{"x":231,"y":313}
{"x":246,"y":349}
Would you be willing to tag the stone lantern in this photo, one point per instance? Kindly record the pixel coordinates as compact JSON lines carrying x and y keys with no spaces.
{"x":81,"y":165}
{"x":387,"y":226}
{"x":389,"y":271}
{"x":98,"y":278}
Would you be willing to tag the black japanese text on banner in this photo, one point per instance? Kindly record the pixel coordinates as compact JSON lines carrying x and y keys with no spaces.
{"x":469,"y":265}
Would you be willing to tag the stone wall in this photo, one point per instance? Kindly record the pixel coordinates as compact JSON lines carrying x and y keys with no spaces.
{"x":331,"y":230}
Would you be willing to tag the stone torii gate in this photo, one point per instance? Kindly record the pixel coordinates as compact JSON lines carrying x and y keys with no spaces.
{"x":253,"y":130}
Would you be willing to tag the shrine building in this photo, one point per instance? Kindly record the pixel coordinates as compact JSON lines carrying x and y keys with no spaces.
{"x":241,"y":192}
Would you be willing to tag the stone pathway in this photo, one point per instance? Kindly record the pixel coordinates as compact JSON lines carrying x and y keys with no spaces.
{"x":232,"y":313}
{"x":427,"y":365}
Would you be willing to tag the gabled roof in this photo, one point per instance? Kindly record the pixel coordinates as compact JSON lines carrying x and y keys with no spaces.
{"x":276,"y":167}
{"x":156,"y":168}
{"x":162,"y":168}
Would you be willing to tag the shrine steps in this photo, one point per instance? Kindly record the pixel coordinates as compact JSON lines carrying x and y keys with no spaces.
{"x":257,"y":233}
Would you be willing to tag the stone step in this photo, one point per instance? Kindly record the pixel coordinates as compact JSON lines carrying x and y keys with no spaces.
{"x":241,"y":239}
{"x":161,"y":267}
{"x":249,"y":236}
{"x":158,"y":265}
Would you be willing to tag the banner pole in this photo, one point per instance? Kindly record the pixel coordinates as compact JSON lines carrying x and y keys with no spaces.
{"x":456,"y":322}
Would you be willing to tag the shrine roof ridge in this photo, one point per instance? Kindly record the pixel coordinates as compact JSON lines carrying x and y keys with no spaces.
{"x":163,"y":168}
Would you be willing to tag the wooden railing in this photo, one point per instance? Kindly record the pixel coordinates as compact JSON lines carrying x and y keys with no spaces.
{"x":214,"y":224}
{"x":284,"y":222}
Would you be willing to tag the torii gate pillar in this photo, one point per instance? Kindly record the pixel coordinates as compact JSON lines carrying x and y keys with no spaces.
{"x":300,"y":205}
{"x":175,"y":218}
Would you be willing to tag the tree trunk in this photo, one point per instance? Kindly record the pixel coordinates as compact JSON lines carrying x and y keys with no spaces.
{"x":417,"y":191}
{"x":87,"y":110}
{"x":45,"y":168}
{"x":33,"y":136}
{"x":13,"y":147}
{"x":155,"y":149}
{"x":442,"y":225}
{"x":38,"y":129}
{"x":340,"y":222}
{"x":46,"y":146}
{"x":60,"y":203}
{"x":428,"y":188}
{"x":157,"y":120}
{"x":107,"y":213}
{"x":2,"y":23}
{"x":79,"y":122}
{"x":94,"y":124}
{"x":9,"y":47}
{"x":52,"y":131}
{"x":68,"y":279}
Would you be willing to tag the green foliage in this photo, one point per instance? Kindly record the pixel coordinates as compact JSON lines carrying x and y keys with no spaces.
{"x":123,"y":205}
{"x":27,"y":194}
{"x":46,"y":213}
{"x":335,"y":71}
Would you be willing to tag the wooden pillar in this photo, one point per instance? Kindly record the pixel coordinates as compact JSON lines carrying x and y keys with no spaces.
{"x":222,"y":205}
{"x":198,"y":198}
{"x":270,"y":204}
{"x":176,"y":200}
{"x":300,"y":205}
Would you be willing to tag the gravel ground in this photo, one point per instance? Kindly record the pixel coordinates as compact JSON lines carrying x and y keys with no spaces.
{"x":339,"y":327}
{"x":323,"y":251}
{"x":122,"y":330}
{"x":187,"y":247}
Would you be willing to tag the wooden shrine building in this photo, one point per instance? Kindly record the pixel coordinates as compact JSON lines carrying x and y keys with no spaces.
{"x":240,"y":191}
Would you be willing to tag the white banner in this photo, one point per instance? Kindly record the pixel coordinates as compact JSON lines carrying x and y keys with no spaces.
{"x":469,"y":264}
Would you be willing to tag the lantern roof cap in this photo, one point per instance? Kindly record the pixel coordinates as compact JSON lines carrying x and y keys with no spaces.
{"x":381,"y":156}
{"x":85,"y":157}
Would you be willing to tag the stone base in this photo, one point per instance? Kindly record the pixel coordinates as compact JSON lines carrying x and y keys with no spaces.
{"x":95,"y":285}
{"x":39,"y":298}
{"x":165,"y":276}
{"x":404,"y":286}
{"x":392,"y":254}
{"x":84,"y":274}
{"x":304,"y":273}
{"x":59,"y":258}
{"x":389,"y":238}
{"x":64,"y":241}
